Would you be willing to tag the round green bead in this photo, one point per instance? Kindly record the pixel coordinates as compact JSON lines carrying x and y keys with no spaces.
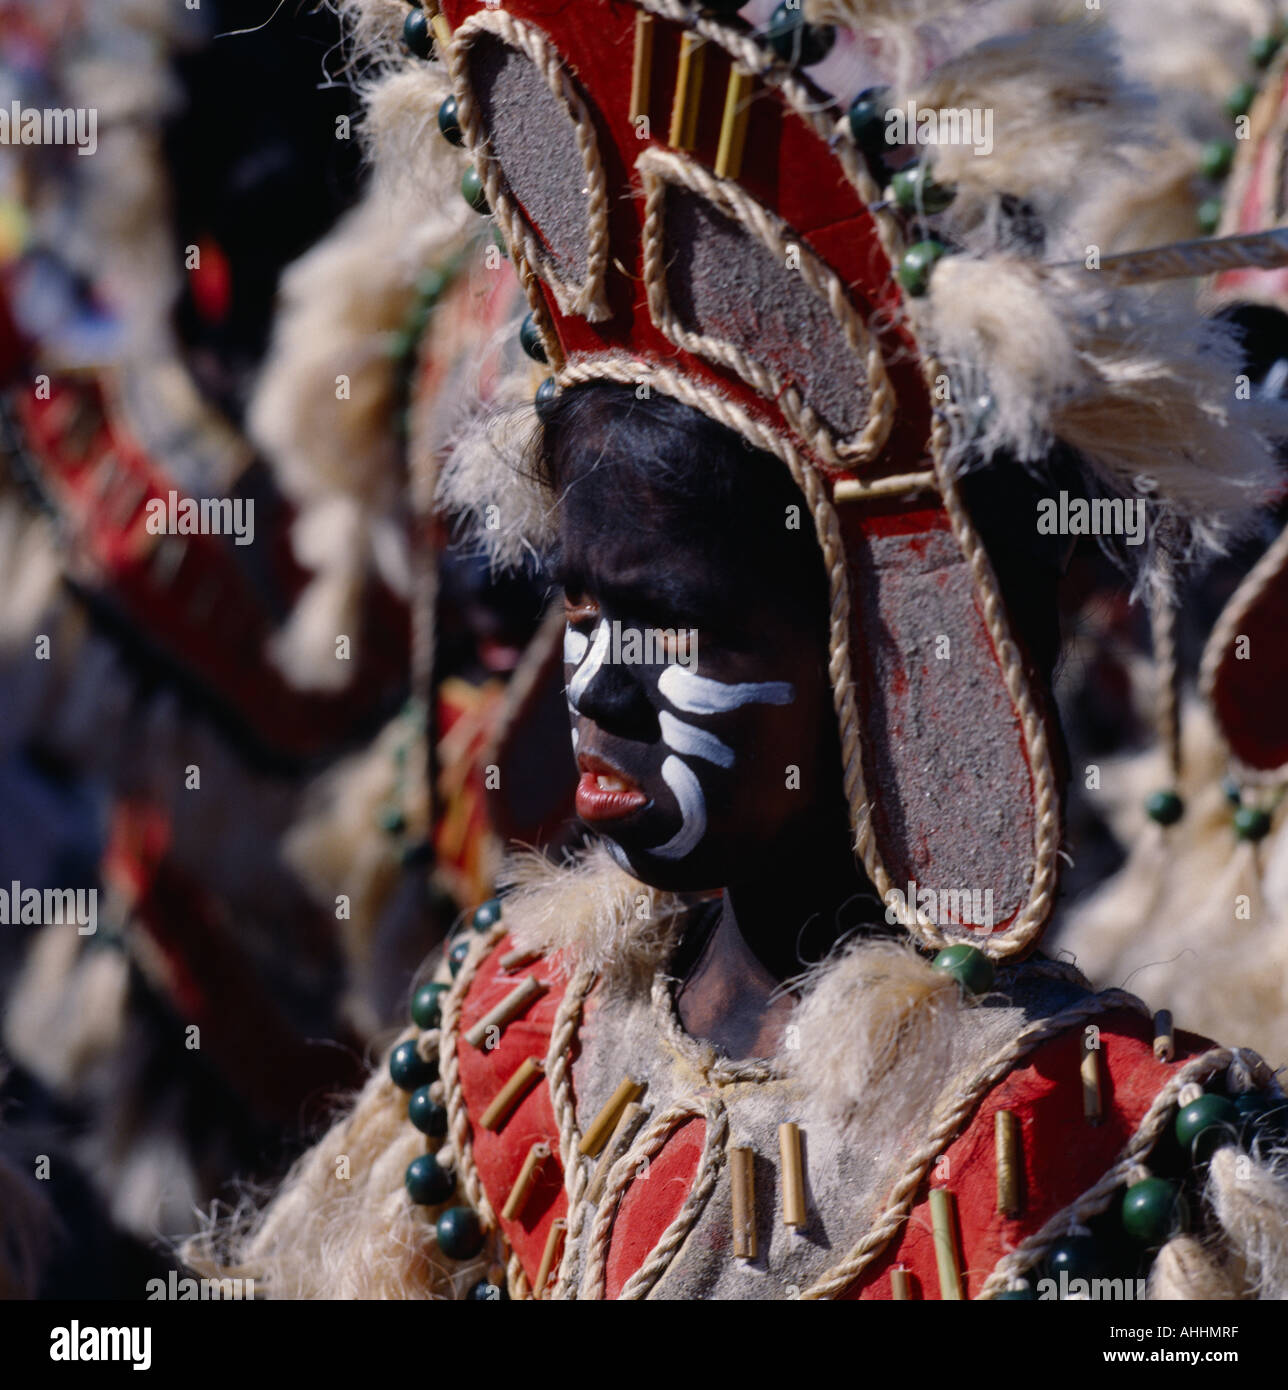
{"x":797,"y":42}
{"x":456,"y":956}
{"x":1239,"y":102}
{"x":1165,"y":807}
{"x":1216,"y":159}
{"x":472,"y":190}
{"x":426,"y":1005}
{"x":487,"y":1292}
{"x":1209,"y":215}
{"x":1251,"y":823}
{"x":487,"y":915}
{"x":968,"y":965}
{"x":392,"y":820}
{"x":430,"y":285}
{"x":428,"y":1182}
{"x":1149,"y":1210}
{"x":915,"y":191}
{"x":1079,"y":1257}
{"x":1262,"y":1115}
{"x":918,"y":262}
{"x":408,"y":1070}
{"x":867,"y":118}
{"x":530,"y":339}
{"x":546,"y":391}
{"x":427,"y":1114}
{"x":417,"y":34}
{"x":1201,"y":1126}
{"x":449,"y":123}
{"x":460,"y":1237}
{"x":417,"y":854}
{"x":1262,"y":51}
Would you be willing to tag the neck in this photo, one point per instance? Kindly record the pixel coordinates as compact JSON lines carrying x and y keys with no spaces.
{"x":772,"y":925}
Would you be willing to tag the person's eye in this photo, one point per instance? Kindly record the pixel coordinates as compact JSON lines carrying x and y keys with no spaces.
{"x":579,"y":607}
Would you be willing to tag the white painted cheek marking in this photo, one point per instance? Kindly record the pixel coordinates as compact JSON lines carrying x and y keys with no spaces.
{"x":702,"y":695}
{"x":683,"y":782}
{"x":575,"y":644}
{"x":697,"y":743}
{"x":589,"y":667}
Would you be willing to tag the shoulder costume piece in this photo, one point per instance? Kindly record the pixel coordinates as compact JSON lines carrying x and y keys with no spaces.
{"x":691,"y":213}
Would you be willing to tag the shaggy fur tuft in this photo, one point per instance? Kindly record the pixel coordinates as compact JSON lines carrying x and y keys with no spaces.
{"x":1249,"y":1198}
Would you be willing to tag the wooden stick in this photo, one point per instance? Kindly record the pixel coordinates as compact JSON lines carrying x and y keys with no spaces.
{"x":537,"y":1155}
{"x":519,"y":956}
{"x":1164,"y":1037}
{"x":525,"y":1076}
{"x":688,"y":91}
{"x":733,"y":124}
{"x":510,"y":1007}
{"x":627,"y":1127}
{"x":1092,"y":1106}
{"x":549,"y":1255}
{"x":854,"y":490}
{"x":742,"y":1177}
{"x":605,"y":1122}
{"x":442,"y":32}
{"x":900,"y":1288}
{"x":943,"y":1224}
{"x":793,"y":1177}
{"x":1006,"y":1134}
{"x":642,"y":67}
{"x":1183,"y":259}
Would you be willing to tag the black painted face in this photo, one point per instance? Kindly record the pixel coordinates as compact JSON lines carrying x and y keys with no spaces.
{"x":701,"y":708}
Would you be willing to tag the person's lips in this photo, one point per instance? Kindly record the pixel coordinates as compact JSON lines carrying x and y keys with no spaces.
{"x":604,"y":792}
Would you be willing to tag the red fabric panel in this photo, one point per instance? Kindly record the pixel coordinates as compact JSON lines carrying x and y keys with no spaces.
{"x":499,"y":1156}
{"x":652,"y":1202}
{"x":1248,"y":691}
{"x":1064,"y":1155}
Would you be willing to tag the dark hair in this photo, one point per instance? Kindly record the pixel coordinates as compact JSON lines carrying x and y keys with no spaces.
{"x":686,"y":480}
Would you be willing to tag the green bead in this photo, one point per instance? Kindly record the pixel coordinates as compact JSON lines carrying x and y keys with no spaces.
{"x":915,"y":191}
{"x":427,"y":1005}
{"x":1209,"y":215}
{"x":416,"y":854}
{"x":1251,"y":823}
{"x":968,"y":965}
{"x":1149,"y":1210}
{"x":867,"y":118}
{"x":456,"y":956}
{"x":1263,"y":1115}
{"x":1024,"y":1293}
{"x":427,"y":1114}
{"x":487,"y":915}
{"x":460,"y":1237}
{"x":797,"y":42}
{"x":485,"y":1292}
{"x":1165,"y":807}
{"x":1233,"y":792}
{"x":408,"y":1070}
{"x":1201,"y":1126}
{"x":472,"y":190}
{"x":530,"y":339}
{"x":417,"y":34}
{"x":1239,"y":102}
{"x":449,"y":122}
{"x":428,"y":1182}
{"x":1079,"y":1257}
{"x":546,"y":391}
{"x":918,"y":262}
{"x":1262,"y":51}
{"x":430,"y":285}
{"x":1216,"y":159}
{"x":392,"y":820}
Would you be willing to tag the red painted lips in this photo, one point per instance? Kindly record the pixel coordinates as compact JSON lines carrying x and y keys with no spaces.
{"x":605,"y":793}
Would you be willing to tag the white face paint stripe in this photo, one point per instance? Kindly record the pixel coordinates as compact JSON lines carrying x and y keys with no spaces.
{"x":589,"y":668}
{"x":697,"y":743}
{"x":682,"y":780}
{"x":701,"y":695}
{"x":575,"y":644}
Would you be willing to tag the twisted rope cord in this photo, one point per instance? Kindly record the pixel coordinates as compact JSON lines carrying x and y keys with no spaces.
{"x":587,"y":299}
{"x":714,"y":1069}
{"x":660,"y":169}
{"x":559,"y":1076}
{"x":960,"y":1105}
{"x":1247,"y":251}
{"x":622,"y":1174}
{"x":1096,"y":1198}
{"x":1269,"y":570}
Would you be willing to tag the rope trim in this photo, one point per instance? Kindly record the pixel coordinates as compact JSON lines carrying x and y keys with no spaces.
{"x":660,"y":170}
{"x":576,"y":1169}
{"x":623,"y":1173}
{"x":714,"y":1069}
{"x":960,"y":1105}
{"x":1097,"y":1198}
{"x":587,"y":298}
{"x":1272,"y":568}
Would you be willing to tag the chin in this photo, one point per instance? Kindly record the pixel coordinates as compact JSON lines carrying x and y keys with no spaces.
{"x":695,"y":873}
